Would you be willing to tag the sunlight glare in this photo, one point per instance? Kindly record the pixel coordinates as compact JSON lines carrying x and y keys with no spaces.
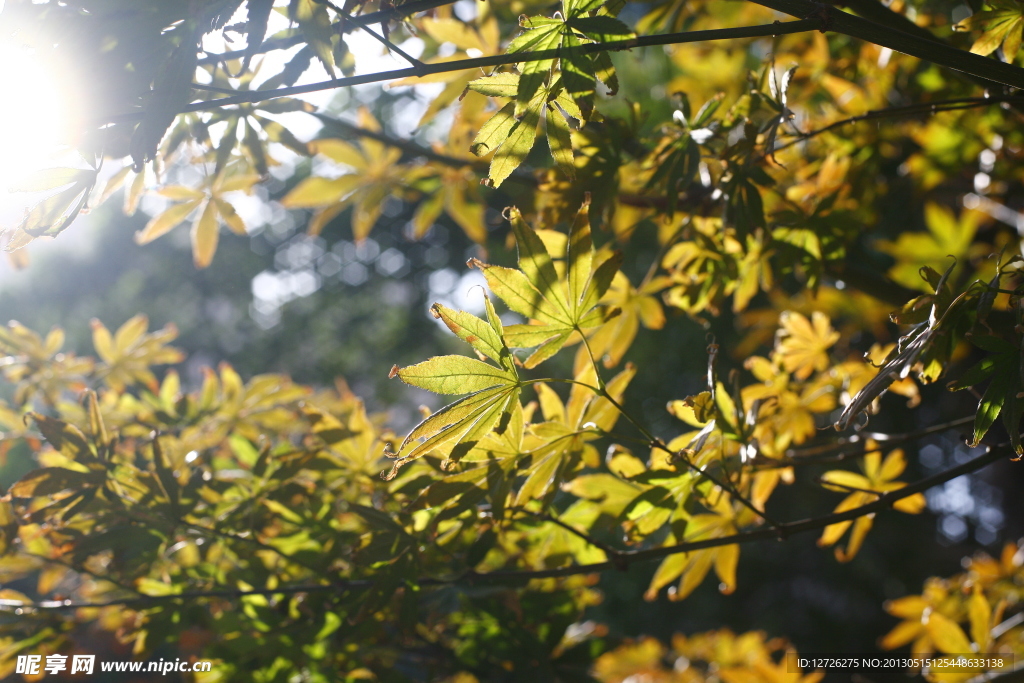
{"x":31,"y":120}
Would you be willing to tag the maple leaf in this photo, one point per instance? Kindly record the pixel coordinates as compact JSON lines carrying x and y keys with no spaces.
{"x":481,"y":40}
{"x":788,"y":418}
{"x":129,"y":352}
{"x":211,"y":209}
{"x":450,"y":188}
{"x":935,"y":599}
{"x":691,"y":568}
{"x":569,"y":80}
{"x":511,"y":136}
{"x":374,"y":175}
{"x":1002,"y":24}
{"x":38,"y":365}
{"x":803,"y":344}
{"x":560,"y":442}
{"x":493,"y":392}
{"x":636,"y":306}
{"x":559,"y":307}
{"x":947,"y":236}
{"x":878,"y":477}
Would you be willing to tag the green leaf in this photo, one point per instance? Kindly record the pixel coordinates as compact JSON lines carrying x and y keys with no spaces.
{"x":528,"y":336}
{"x":534,"y":75}
{"x":560,"y":141}
{"x":600,"y":281}
{"x":975,"y":375}
{"x":536,"y":291}
{"x":172,"y":90}
{"x":579,"y":260}
{"x":283,"y":510}
{"x":512,"y":152}
{"x":602,"y":28}
{"x":992,"y":403}
{"x":573,"y":8}
{"x":605,"y":72}
{"x":992,"y":343}
{"x":519,"y":294}
{"x":539,"y":29}
{"x":456,"y":375}
{"x":256,"y":27}
{"x":540,"y":478}
{"x":457,"y":427}
{"x":495,"y":131}
{"x":66,"y":438}
{"x":504,"y":84}
{"x":479,"y":334}
{"x":579,"y":77}
{"x":55,"y":213}
{"x":50,"y":481}
{"x":535,"y":262}
{"x":1013,"y":409}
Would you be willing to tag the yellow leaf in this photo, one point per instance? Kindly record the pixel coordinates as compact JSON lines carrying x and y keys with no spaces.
{"x":102,"y":341}
{"x":844,"y":481}
{"x":180,"y":193}
{"x":980,"y":615}
{"x":948,"y":637}
{"x":205,"y":232}
{"x":163,"y":223}
{"x":804,"y":344}
{"x":550,"y":404}
{"x":448,"y":30}
{"x":726,"y":560}
{"x":230,"y":216}
{"x":340,"y":152}
{"x":313,"y":193}
{"x":912,"y":505}
{"x":903,"y":633}
{"x":129,"y":333}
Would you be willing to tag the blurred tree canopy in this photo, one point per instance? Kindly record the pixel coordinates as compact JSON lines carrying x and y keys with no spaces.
{"x":698,"y":235}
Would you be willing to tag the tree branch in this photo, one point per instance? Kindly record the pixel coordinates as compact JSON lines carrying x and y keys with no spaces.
{"x":913,"y":44}
{"x":623,"y":558}
{"x":249,"y":97}
{"x":834,"y":452}
{"x":407,"y":146}
{"x":885,"y":501}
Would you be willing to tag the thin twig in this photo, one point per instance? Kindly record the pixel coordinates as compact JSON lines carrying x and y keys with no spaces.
{"x":656,"y":442}
{"x":834,"y":452}
{"x":351,"y":24}
{"x":346,"y":17}
{"x":905,"y":111}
